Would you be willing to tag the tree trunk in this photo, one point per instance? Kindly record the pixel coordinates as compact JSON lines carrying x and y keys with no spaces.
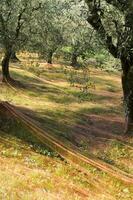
{"x":50,"y":57}
{"x":127,"y":84}
{"x":14,"y":58}
{"x":74,"y":61}
{"x":5,"y":66}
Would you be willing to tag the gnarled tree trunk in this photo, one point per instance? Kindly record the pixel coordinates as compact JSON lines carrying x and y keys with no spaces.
{"x":14,"y":58}
{"x":74,"y":61}
{"x":5,"y":66}
{"x":50,"y":57}
{"x":121,"y":50}
{"x":127,"y":84}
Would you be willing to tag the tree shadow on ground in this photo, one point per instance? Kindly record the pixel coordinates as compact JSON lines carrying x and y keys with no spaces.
{"x":34,"y":85}
{"x":89,"y":133}
{"x":37,"y":88}
{"x":69,"y":125}
{"x":104,"y":82}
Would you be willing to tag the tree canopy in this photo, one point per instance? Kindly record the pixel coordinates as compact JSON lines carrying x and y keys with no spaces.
{"x":113,"y":20}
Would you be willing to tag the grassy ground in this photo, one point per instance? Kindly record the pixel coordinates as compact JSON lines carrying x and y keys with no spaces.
{"x":29,"y":171}
{"x":26,"y":174}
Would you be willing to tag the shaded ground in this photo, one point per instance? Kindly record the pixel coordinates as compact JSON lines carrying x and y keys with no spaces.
{"x":92,"y":123}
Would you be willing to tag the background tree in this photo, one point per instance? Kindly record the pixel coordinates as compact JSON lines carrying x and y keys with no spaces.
{"x":78,"y":41}
{"x":49,"y":39}
{"x":81,"y":43}
{"x":50,"y":24}
{"x":78,"y":35}
{"x":15,"y":16}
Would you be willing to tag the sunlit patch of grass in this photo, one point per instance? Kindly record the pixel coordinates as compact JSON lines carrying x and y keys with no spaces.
{"x":31,"y":174}
{"x":58,"y":107}
{"x":119,"y":155}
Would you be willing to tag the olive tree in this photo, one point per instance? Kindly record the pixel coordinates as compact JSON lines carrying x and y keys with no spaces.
{"x":50,"y":23}
{"x":15,"y":16}
{"x":48,"y":39}
{"x":79,"y":35}
{"x":79,"y":42}
{"x":113,"y":20}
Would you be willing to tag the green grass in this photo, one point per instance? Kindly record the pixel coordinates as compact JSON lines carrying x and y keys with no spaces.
{"x":59,"y":108}
{"x":27,"y":174}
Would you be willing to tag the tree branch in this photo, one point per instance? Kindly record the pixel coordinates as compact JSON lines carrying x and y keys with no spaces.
{"x":121,"y":5}
{"x":4,"y":30}
{"x":95,"y":21}
{"x":19,"y":24}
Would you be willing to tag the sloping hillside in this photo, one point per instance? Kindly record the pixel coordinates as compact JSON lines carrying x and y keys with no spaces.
{"x":90,"y":122}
